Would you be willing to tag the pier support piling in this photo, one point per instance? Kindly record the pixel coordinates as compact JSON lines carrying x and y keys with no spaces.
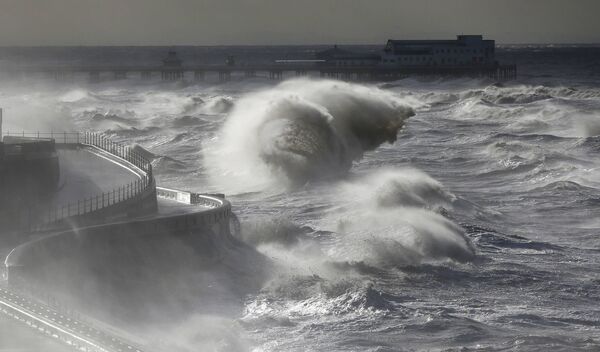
{"x":118,"y":75}
{"x":94,"y":76}
{"x":199,"y":75}
{"x":146,"y":75}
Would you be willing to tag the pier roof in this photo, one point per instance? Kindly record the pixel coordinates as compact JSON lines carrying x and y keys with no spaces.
{"x":461,"y":40}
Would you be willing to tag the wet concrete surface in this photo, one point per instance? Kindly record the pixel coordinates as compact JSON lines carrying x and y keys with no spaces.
{"x":85,"y":173}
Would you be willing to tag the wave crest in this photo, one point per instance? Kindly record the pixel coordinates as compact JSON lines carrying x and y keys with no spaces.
{"x":303,"y":130}
{"x":393,"y":221}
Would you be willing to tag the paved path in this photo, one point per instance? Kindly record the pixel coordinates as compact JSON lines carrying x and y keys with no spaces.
{"x":18,"y":337}
{"x":55,"y":323}
{"x":85,"y":173}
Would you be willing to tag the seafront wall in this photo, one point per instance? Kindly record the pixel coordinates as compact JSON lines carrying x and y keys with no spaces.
{"x":63,"y":244}
{"x":29,"y":173}
{"x":130,"y":265}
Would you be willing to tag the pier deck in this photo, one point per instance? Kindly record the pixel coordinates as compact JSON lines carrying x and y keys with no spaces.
{"x":275,"y":71}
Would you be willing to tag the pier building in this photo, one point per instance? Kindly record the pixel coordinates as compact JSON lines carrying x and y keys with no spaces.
{"x":465,"y":50}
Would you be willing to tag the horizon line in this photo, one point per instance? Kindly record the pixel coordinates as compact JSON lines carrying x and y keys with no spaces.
{"x":259,"y":45}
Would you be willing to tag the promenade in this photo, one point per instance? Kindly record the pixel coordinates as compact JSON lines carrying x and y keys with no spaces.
{"x":106,"y":193}
{"x":85,"y":173}
{"x":61,"y":325}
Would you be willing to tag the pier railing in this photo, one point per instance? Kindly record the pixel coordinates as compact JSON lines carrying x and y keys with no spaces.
{"x":104,"y":200}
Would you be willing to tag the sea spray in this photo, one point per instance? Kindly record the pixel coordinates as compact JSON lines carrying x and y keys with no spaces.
{"x":387,"y":219}
{"x":303,"y":130}
{"x":392,"y":217}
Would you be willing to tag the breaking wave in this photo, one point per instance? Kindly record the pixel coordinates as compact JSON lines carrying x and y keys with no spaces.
{"x":395,"y":219}
{"x":303,"y":130}
{"x":391,"y":218}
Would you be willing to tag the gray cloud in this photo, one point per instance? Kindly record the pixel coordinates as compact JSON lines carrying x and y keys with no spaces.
{"x":210,"y":22}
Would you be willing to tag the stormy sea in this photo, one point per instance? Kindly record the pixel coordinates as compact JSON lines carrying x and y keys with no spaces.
{"x":435,"y":214}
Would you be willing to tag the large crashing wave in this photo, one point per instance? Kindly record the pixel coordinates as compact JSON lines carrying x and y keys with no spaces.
{"x":304,"y":129}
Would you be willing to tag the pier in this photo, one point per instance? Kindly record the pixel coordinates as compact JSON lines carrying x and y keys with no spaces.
{"x":273,"y":71}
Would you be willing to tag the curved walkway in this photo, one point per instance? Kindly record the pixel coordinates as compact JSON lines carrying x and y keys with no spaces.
{"x":92,"y":165}
{"x":85,"y":172}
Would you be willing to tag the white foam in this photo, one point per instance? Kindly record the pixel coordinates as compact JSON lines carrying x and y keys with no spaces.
{"x":302,"y":130}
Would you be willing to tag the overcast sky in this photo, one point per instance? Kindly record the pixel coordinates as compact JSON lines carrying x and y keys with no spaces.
{"x":225,"y":22}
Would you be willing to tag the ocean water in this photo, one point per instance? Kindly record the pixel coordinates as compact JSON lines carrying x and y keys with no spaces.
{"x":434,"y":214}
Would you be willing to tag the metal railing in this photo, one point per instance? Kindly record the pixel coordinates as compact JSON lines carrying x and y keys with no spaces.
{"x":206,"y":200}
{"x":92,"y":139}
{"x":105,"y":199}
{"x":98,"y":202}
